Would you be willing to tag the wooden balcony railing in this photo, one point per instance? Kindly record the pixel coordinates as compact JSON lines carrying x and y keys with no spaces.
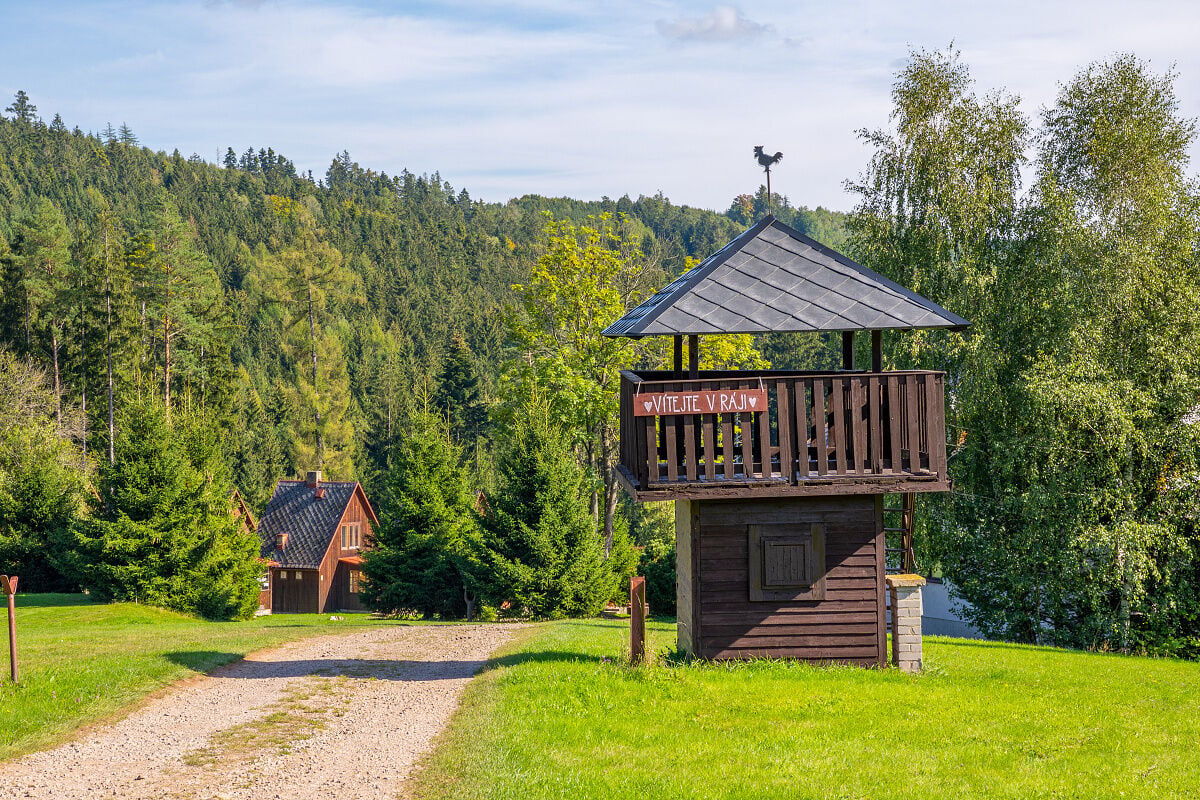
{"x":820,"y":433}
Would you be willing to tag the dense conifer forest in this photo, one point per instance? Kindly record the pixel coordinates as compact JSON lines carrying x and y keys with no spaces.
{"x":308,"y":321}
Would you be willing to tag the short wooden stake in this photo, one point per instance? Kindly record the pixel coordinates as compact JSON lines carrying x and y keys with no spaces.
{"x":637,"y":620}
{"x":9,"y":584}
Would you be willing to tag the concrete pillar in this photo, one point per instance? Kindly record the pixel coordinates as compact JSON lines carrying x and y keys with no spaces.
{"x":906,"y":620}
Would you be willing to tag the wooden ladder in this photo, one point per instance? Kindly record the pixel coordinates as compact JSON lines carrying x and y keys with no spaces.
{"x":899,"y":536}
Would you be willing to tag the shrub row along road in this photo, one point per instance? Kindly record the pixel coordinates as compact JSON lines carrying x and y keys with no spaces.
{"x":335,"y":716}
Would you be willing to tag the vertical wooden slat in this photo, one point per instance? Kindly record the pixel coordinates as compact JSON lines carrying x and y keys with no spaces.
{"x":670,"y":426}
{"x":709,"y":425}
{"x":800,"y":434}
{"x":746,"y":428}
{"x":727,"y":447}
{"x":783,"y":414}
{"x":912,"y":411}
{"x":873,"y":387}
{"x":858,"y":426}
{"x":935,"y":402}
{"x":894,"y":422}
{"x":837,"y":393}
{"x":691,"y":455}
{"x":820,"y":420}
{"x":764,"y":430}
{"x":650,"y":437}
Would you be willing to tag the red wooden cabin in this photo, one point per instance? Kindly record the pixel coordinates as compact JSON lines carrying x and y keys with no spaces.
{"x":778,"y":477}
{"x":313,"y":534}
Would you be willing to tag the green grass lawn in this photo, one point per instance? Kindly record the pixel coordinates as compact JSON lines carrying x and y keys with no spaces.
{"x":82,"y":662}
{"x":558,"y":717}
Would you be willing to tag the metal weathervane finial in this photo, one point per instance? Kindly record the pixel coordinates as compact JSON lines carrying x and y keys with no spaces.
{"x":766,"y":162}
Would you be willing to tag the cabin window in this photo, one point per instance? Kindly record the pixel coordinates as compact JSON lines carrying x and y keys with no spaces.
{"x":351,"y":538}
{"x":298,"y":575}
{"x":355,"y":578}
{"x":786,"y":564}
{"x":283,"y":574}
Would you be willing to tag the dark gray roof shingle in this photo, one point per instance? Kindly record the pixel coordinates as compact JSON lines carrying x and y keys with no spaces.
{"x":309,"y":522}
{"x":773,"y":278}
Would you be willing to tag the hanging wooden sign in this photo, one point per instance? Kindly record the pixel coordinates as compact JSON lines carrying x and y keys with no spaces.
{"x":725,"y":401}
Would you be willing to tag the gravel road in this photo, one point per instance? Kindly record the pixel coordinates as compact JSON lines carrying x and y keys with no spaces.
{"x":343,"y":716}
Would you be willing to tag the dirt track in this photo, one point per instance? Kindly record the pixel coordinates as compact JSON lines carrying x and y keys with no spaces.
{"x":337,"y":716}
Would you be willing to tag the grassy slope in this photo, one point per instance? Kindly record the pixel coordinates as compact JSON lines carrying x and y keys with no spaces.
{"x":554,"y":719}
{"x":82,"y":662}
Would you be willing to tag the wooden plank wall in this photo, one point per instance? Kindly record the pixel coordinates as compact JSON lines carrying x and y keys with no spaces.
{"x":847,"y":626}
{"x":296,"y":596}
{"x":335,"y":581}
{"x":341,"y":598}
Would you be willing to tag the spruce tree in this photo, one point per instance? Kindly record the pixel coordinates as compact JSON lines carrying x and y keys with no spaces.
{"x":458,"y":394}
{"x":163,"y":532}
{"x":424,"y":553}
{"x":540,"y":548}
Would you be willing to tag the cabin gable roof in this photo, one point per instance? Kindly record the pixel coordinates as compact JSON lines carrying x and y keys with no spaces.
{"x":772,"y":278}
{"x":311,"y":522}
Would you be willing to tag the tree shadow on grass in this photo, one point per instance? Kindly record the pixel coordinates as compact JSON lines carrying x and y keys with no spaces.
{"x":51,"y":600}
{"x":233,"y":665}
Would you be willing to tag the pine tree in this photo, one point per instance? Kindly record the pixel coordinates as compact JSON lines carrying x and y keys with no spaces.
{"x":424,"y":558}
{"x":178,"y":288}
{"x":540,"y":548}
{"x":112,"y":310}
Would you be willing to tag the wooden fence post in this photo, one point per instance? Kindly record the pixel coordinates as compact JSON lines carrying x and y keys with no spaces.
{"x":9,"y":584}
{"x":637,"y":620}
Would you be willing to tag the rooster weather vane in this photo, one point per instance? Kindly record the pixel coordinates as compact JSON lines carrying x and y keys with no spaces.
{"x":766,"y":162}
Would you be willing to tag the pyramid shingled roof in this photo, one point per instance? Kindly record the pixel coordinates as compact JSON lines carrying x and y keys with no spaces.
{"x":772,"y":278}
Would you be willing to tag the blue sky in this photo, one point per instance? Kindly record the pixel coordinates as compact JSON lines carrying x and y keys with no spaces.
{"x":554,"y":98}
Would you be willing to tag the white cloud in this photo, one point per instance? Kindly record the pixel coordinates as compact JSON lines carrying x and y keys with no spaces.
{"x":722,"y":24}
{"x":525,"y":97}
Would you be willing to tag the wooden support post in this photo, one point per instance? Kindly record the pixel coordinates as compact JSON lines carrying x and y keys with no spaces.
{"x":637,"y":620}
{"x":9,"y":584}
{"x":847,"y":350}
{"x":876,"y":351}
{"x":678,"y":356}
{"x":693,"y":357}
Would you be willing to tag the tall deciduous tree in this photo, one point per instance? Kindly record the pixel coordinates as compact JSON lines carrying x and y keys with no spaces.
{"x":584,"y":280}
{"x":1072,"y":401}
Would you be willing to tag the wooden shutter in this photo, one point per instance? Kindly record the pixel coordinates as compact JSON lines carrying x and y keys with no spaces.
{"x":786,"y":564}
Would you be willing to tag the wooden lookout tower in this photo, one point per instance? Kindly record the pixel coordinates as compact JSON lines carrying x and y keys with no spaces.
{"x":778,"y":477}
